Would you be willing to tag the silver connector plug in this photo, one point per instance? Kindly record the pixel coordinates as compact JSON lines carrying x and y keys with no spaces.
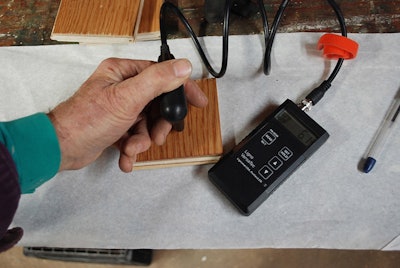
{"x":305,"y":105}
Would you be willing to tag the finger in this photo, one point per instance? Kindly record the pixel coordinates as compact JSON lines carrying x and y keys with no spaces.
{"x":153,"y":81}
{"x":116,"y":69}
{"x":139,"y":142}
{"x":126,"y":163}
{"x":127,"y":160}
{"x":195,"y":95}
{"x":160,"y":131}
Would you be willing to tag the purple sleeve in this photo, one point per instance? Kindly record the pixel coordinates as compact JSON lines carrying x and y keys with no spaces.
{"x":9,"y":197}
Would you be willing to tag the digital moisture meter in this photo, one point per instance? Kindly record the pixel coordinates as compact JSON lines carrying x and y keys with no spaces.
{"x":252,"y":170}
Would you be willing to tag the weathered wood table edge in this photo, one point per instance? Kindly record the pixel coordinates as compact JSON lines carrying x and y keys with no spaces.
{"x":30,"y":22}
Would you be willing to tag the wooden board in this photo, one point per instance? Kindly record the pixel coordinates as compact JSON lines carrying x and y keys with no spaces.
{"x":149,"y":26}
{"x":199,"y":143}
{"x":96,"y":21}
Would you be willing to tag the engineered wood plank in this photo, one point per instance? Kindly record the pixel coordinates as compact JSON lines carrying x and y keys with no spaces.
{"x":199,"y":143}
{"x":94,"y":21}
{"x":149,"y":26}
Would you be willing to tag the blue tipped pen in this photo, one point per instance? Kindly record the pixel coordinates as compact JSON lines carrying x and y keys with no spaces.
{"x":369,"y":164}
{"x":382,"y":134}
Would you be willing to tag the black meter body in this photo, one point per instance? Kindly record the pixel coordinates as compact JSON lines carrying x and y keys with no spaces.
{"x":252,"y":170}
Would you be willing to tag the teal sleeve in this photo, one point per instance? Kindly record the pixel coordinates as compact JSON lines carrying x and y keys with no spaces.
{"x":33,"y":145}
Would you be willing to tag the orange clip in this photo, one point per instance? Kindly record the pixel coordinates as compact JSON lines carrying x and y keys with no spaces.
{"x":337,"y":46}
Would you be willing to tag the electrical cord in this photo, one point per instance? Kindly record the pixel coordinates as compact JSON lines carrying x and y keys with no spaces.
{"x":163,"y":32}
{"x":343,"y":30}
{"x":269,"y":35}
{"x":317,"y":93}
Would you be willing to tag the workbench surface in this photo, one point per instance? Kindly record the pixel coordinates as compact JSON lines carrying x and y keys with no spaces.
{"x":29,"y":22}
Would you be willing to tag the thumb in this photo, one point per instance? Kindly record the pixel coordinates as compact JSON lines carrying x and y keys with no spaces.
{"x":153,"y":81}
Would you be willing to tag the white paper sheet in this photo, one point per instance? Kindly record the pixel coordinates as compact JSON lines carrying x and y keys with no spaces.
{"x":326,"y":203}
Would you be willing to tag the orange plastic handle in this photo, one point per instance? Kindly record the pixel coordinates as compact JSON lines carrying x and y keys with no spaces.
{"x":336,"y":46}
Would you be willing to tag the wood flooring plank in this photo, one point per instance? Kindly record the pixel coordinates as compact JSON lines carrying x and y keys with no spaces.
{"x":199,"y":143}
{"x":96,"y":20}
{"x":149,"y":27}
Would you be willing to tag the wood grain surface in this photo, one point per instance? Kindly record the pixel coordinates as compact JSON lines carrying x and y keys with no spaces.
{"x":149,"y":26}
{"x":200,"y":142}
{"x":90,"y":20}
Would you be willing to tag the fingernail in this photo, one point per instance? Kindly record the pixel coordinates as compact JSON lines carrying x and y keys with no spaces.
{"x":182,"y":68}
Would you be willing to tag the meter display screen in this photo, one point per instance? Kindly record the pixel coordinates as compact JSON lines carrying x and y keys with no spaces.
{"x":295,"y":127}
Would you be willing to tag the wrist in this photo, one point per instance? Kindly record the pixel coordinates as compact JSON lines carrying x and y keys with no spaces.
{"x":65,"y":161}
{"x":73,"y":134}
{"x":68,"y":148}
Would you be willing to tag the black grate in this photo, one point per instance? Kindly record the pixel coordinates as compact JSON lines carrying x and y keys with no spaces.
{"x":92,"y":255}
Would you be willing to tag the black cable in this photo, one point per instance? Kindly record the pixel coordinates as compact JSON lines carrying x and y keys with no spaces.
{"x":317,"y":93}
{"x":225,"y":35}
{"x":343,"y":30}
{"x":269,"y":36}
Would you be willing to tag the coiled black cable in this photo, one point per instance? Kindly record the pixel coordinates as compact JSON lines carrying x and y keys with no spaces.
{"x":269,"y":36}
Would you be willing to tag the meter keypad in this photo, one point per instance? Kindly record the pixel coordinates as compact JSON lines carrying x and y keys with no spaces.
{"x":269,"y":153}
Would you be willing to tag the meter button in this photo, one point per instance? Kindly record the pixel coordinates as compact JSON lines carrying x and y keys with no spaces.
{"x":285,"y":153}
{"x":269,"y":137}
{"x":275,"y":162}
{"x":265,"y":172}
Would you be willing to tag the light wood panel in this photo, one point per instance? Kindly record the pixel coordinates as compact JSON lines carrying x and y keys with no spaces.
{"x":149,"y":27}
{"x":93,"y":21}
{"x":199,"y":143}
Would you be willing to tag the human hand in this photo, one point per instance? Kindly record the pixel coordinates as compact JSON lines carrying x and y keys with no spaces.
{"x":109,"y":108}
